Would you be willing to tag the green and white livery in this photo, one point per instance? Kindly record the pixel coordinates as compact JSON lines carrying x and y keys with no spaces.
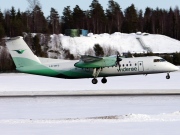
{"x":86,"y":67}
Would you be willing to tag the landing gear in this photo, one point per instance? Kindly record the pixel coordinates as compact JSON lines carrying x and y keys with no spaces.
{"x":95,"y":74}
{"x":168,"y":76}
{"x":104,"y":80}
{"x":94,"y":81}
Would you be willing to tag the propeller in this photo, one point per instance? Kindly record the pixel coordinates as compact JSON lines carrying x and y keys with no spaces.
{"x":118,"y":59}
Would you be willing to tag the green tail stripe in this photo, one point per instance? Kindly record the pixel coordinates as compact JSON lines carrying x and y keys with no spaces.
{"x":32,"y":67}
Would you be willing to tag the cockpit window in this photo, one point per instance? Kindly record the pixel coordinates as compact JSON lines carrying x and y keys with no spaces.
{"x":159,"y":60}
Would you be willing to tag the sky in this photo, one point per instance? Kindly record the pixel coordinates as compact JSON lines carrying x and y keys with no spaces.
{"x":84,"y":4}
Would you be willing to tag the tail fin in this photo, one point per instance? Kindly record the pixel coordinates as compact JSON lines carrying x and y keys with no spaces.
{"x":21,"y":53}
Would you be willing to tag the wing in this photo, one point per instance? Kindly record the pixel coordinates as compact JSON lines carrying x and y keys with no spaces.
{"x":87,"y":61}
{"x":88,"y":58}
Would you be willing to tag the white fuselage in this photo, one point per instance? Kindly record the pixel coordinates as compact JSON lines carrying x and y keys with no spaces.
{"x":128,"y":66}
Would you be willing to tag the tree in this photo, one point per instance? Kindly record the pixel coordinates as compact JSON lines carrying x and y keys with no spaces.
{"x":78,"y":17}
{"x":97,"y":16}
{"x":148,"y":20}
{"x":114,"y":16}
{"x":67,"y":18}
{"x":140,"y":21}
{"x":12,"y":22}
{"x":2,"y":31}
{"x":36,"y":46}
{"x":131,"y":19}
{"x":98,"y":50}
{"x":54,"y":21}
{"x":33,"y":4}
{"x":176,"y":58}
{"x":39,"y":21}
{"x":6,"y":62}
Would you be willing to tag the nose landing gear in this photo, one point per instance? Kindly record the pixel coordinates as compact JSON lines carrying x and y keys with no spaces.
{"x":168,"y":76}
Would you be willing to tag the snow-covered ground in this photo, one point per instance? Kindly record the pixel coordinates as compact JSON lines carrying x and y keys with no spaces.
{"x":107,"y":115}
{"x":25,"y":82}
{"x":90,"y":115}
{"x":113,"y":42}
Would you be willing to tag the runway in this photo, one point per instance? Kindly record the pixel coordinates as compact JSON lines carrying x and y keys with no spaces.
{"x":127,"y":105}
{"x":23,"y":85}
{"x":89,"y":93}
{"x":90,"y":115}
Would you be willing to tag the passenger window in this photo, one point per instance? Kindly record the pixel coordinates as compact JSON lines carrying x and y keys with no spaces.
{"x":130,"y":65}
{"x":123,"y":65}
{"x":127,"y":65}
{"x":135,"y":64}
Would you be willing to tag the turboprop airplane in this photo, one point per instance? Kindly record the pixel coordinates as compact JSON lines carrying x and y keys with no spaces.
{"x":87,"y":66}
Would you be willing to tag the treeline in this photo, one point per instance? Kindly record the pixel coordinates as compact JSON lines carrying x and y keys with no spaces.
{"x":97,"y":20}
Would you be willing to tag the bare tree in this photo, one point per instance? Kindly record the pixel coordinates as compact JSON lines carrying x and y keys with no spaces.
{"x":33,"y":4}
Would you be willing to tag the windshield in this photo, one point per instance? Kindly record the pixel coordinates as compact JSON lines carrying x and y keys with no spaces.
{"x":159,"y":60}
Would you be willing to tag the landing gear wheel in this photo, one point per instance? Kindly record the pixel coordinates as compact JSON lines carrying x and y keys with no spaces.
{"x":104,"y":80}
{"x":94,"y":81}
{"x":168,"y":76}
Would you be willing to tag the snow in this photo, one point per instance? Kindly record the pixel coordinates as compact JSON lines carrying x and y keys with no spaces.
{"x":160,"y":43}
{"x":89,"y":114}
{"x":121,"y":42}
{"x":20,"y":82}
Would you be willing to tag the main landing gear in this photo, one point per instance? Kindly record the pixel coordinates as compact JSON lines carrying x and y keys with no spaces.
{"x":95,"y":81}
{"x":95,"y":74}
{"x":104,"y":80}
{"x":168,"y":76}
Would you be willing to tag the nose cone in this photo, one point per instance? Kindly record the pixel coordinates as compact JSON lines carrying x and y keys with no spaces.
{"x":174,"y":68}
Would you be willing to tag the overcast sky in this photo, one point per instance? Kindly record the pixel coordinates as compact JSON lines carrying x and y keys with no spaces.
{"x":84,"y":4}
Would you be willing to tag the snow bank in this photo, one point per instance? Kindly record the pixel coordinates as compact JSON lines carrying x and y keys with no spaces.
{"x":164,"y":117}
{"x":117,"y":41}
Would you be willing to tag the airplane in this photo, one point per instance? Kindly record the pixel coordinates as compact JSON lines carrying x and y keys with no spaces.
{"x":87,"y":67}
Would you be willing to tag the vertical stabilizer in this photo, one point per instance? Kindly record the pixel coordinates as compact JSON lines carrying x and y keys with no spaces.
{"x":21,"y":53}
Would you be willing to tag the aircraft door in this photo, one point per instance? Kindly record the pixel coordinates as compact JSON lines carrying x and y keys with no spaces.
{"x":140,"y":66}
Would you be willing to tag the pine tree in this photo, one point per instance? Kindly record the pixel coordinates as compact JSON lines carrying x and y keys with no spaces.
{"x":36,"y":46}
{"x":12,"y":22}
{"x":67,"y":18}
{"x":115,"y":16}
{"x":78,"y":17}
{"x":97,"y":16}
{"x":98,"y":50}
{"x":2,"y":31}
{"x":54,"y":21}
{"x":39,"y":21}
{"x":140,"y":21}
{"x":148,"y":20}
{"x":131,"y":19}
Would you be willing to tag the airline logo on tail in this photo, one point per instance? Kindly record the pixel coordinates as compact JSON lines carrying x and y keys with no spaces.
{"x":19,"y":51}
